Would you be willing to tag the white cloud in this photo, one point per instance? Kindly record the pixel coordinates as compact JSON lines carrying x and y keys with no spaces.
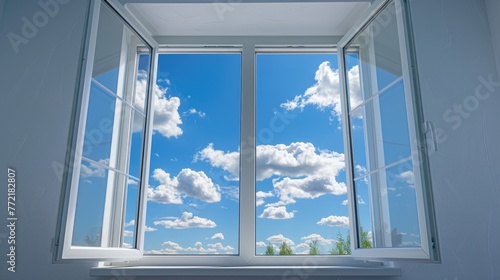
{"x":198,"y":185}
{"x":166,"y":119}
{"x":94,"y":170}
{"x":131,"y":223}
{"x":128,"y":233}
{"x":360,"y":201}
{"x":219,"y":247}
{"x":231,"y":192}
{"x":187,"y":220}
{"x":316,"y":237}
{"x":300,"y":170}
{"x":148,"y":229}
{"x":167,"y":191}
{"x":309,"y":187}
{"x":193,"y":111}
{"x":326,"y":92}
{"x":408,"y":177}
{"x":228,"y":161}
{"x":276,"y":213}
{"x":260,"y":244}
{"x":260,"y":195}
{"x":339,"y":221}
{"x":301,"y":249}
{"x":279,"y":238}
{"x":218,"y":235}
{"x":170,"y":247}
{"x":187,"y":183}
{"x":127,"y":245}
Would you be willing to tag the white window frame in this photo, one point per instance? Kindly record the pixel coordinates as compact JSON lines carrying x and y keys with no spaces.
{"x":133,"y":262}
{"x":416,"y":126}
{"x":113,"y":208}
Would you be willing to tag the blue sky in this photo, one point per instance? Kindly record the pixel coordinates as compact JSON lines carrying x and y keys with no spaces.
{"x":193,"y":186}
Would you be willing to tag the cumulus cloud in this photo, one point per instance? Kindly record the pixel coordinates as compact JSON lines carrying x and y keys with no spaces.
{"x":316,"y":237}
{"x":193,"y":111}
{"x":227,"y":161}
{"x":260,"y":244}
{"x":149,"y":229}
{"x":219,"y":247}
{"x":218,"y":235}
{"x":198,"y":185}
{"x":408,"y":177}
{"x":309,"y":187}
{"x":94,"y":170}
{"x":166,"y":118}
{"x":131,"y":223}
{"x":260,"y":195}
{"x":276,"y":213}
{"x":187,"y":183}
{"x":339,"y":221}
{"x":300,"y":170}
{"x":325,"y":93}
{"x":279,"y":238}
{"x":187,"y":220}
{"x":170,"y":247}
{"x":231,"y":192}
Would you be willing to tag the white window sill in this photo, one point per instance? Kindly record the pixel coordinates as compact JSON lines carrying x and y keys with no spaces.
{"x":290,"y":271}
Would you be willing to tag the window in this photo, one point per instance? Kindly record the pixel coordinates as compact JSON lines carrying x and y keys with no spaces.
{"x":222,"y":137}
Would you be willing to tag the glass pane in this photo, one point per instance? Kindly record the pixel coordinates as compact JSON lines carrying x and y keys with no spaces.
{"x":363,"y":191}
{"x":359,"y":142}
{"x":193,"y":198}
{"x":99,"y":125}
{"x":95,"y":182}
{"x":374,"y":60}
{"x":397,"y":222}
{"x":386,"y":201}
{"x":394,"y":122}
{"x":88,"y":222}
{"x":404,"y":227}
{"x":113,"y":133}
{"x":130,"y":215}
{"x":300,"y":183}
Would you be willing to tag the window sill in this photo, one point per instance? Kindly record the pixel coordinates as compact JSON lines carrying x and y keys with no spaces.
{"x":116,"y":271}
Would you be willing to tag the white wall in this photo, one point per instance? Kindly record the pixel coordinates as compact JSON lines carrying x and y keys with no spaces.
{"x":37,"y":90}
{"x":454,"y":49}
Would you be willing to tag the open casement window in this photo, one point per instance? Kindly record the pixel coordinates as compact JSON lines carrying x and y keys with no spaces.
{"x":384,"y":139}
{"x":106,"y":178}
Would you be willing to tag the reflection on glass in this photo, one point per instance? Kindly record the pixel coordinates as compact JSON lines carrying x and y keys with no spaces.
{"x":381,"y":147}
{"x":113,"y":134}
{"x":394,"y":122}
{"x":87,"y":229}
{"x":404,"y":224}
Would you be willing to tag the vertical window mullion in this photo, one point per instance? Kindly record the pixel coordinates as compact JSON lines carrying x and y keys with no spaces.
{"x":247,"y":154}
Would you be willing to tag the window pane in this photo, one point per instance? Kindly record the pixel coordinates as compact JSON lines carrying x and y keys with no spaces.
{"x":193,"y":198}
{"x":98,"y":189}
{"x":380,"y":137}
{"x":109,"y":183}
{"x":300,"y":185}
{"x":396,"y":206}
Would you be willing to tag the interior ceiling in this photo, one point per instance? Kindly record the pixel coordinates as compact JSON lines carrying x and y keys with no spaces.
{"x":248,"y":19}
